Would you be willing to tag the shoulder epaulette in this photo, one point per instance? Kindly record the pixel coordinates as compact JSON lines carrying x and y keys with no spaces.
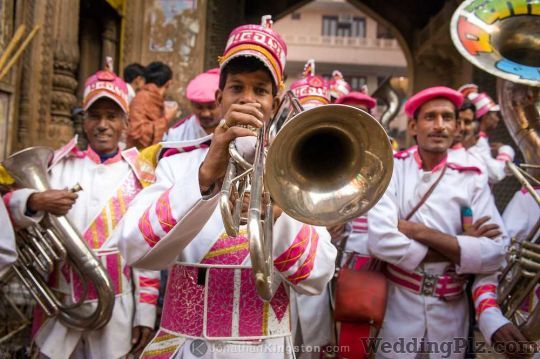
{"x":461,"y":168}
{"x":167,"y":152}
{"x":181,"y":122}
{"x":402,"y":154}
{"x":68,"y":149}
{"x":142,"y":164}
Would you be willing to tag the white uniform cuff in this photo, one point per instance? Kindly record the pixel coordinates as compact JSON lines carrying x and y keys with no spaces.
{"x":18,"y":208}
{"x":470,"y":255}
{"x":490,"y":321}
{"x":145,"y":315}
{"x":414,"y":256}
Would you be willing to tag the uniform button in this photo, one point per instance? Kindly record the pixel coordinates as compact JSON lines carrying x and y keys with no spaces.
{"x":426,"y":178}
{"x":101,"y":170}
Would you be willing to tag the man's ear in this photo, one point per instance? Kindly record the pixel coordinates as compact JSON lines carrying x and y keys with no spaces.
{"x":219,"y":97}
{"x":411,"y":127}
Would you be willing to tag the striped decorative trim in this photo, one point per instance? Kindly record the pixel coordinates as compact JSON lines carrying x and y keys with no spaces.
{"x":164,"y":212}
{"x":228,"y":250}
{"x":288,"y":258}
{"x":360,"y":224}
{"x":485,"y":289}
{"x":305,"y":269}
{"x":262,"y":50}
{"x":163,"y":346}
{"x":110,"y":215}
{"x":148,"y":298}
{"x":144,"y":168}
{"x":320,"y":99}
{"x":484,"y":297}
{"x":485,"y":304}
{"x":145,"y":226}
{"x":149,"y":282}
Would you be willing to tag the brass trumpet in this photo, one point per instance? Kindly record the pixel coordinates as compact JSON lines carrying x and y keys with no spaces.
{"x":322,"y":166}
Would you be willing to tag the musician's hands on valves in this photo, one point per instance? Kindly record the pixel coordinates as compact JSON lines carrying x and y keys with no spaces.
{"x":55,"y":201}
{"x":232,"y":126}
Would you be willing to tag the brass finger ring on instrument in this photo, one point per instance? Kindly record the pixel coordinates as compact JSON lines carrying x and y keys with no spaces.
{"x":76,"y":188}
{"x":223,"y":124}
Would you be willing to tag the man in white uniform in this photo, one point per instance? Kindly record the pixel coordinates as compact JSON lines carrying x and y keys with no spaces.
{"x":212,"y":309}
{"x":110,"y":180}
{"x":521,"y":214}
{"x":487,"y":115}
{"x":201,"y":92}
{"x":421,"y":238}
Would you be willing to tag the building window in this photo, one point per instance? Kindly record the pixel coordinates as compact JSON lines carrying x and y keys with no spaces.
{"x":384,"y":32}
{"x":344,"y":26}
{"x":356,"y":82}
{"x":295,"y":16}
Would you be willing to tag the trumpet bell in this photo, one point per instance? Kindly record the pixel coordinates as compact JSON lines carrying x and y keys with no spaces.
{"x":329,"y":164}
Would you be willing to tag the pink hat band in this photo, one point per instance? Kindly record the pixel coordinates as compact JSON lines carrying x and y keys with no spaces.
{"x":260,"y":42}
{"x":105,"y":84}
{"x":419,"y":99}
{"x":202,"y":89}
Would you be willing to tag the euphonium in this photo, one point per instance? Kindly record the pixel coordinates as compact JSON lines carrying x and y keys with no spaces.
{"x":55,"y":239}
{"x":322,"y":166}
{"x":502,"y":39}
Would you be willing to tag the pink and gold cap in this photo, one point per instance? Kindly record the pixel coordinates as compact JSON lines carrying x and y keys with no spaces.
{"x":261,"y":42}
{"x":105,"y":84}
{"x":311,"y":89}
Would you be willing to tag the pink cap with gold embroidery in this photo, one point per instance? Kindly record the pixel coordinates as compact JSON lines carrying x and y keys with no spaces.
{"x":105,"y":84}
{"x":431,"y":93}
{"x":261,"y":42}
{"x":338,"y":85}
{"x":312,"y":89}
{"x":202,"y":89}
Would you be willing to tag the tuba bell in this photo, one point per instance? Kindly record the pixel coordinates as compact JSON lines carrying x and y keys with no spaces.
{"x":322,"y":166}
{"x":502,"y":39}
{"x":43,"y":246}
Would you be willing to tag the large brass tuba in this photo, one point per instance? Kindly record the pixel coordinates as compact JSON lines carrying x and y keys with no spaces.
{"x":501,"y":37}
{"x":51,"y":242}
{"x":323,"y":166}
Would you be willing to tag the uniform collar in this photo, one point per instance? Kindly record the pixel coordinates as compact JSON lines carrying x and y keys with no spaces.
{"x":438,"y":167}
{"x":94,"y":157}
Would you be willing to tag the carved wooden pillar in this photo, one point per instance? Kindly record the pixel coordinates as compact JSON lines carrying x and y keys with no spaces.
{"x":65,"y":62}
